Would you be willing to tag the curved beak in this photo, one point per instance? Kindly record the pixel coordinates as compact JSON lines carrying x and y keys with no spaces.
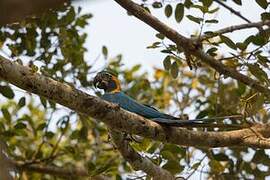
{"x":101,"y":81}
{"x":101,"y":84}
{"x":95,"y":82}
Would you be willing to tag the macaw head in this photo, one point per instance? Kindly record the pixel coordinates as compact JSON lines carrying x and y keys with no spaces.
{"x":107,"y":81}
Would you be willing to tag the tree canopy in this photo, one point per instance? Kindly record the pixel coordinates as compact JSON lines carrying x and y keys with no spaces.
{"x":53,"y":127}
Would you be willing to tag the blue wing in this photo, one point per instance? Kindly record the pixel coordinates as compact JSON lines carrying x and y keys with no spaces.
{"x":131,"y":105}
{"x":149,"y":112}
{"x":146,"y":111}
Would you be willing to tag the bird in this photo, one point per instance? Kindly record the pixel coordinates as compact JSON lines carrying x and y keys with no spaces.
{"x":111,"y":85}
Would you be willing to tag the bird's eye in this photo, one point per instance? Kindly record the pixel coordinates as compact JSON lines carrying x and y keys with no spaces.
{"x":108,"y":76}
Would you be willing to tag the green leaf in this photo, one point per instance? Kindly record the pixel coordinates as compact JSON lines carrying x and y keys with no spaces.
{"x":167,"y":155}
{"x":49,"y":134}
{"x":196,"y":165}
{"x":41,"y":126}
{"x":75,"y":134}
{"x":135,"y":68}
{"x":91,"y":166}
{"x":265,"y":16}
{"x":241,"y":88}
{"x":239,"y":2}
{"x":7,"y":92}
{"x":157,"y":4}
{"x":212,"y":51}
{"x":263,"y":60}
{"x":143,"y":145}
{"x":188,"y":3}
{"x":102,"y":168}
{"x":21,"y":102}
{"x":179,"y":12}
{"x":9,"y":133}
{"x":258,"y":104}
{"x":20,"y":125}
{"x":258,"y":72}
{"x":168,"y":10}
{"x":262,"y":3}
{"x":34,"y":68}
{"x":82,"y":21}
{"x":175,"y":149}
{"x":228,"y":41}
{"x":241,"y":46}
{"x":167,"y":63}
{"x":248,"y":40}
{"x":83,"y":133}
{"x":261,"y":157}
{"x":43,"y":101}
{"x":259,"y":40}
{"x":203,"y":9}
{"x":69,"y":17}
{"x":216,"y":166}
{"x":105,"y":51}
{"x":70,"y":149}
{"x":174,"y":70}
{"x":173,"y":166}
{"x":6,"y":114}
{"x":195,"y":19}
{"x":154,"y":45}
{"x":153,"y":147}
{"x":202,"y":114}
{"x":212,"y":21}
{"x":160,"y":36}
{"x":207,"y":3}
{"x":144,"y":7}
{"x":220,"y":157}
{"x":212,"y":11}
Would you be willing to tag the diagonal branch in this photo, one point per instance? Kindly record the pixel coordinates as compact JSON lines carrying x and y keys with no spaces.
{"x":189,"y":46}
{"x":53,"y":170}
{"x":16,"y":10}
{"x":5,"y":164}
{"x":233,"y":11}
{"x":136,"y":160}
{"x":56,"y":171}
{"x":121,"y":120}
{"x":235,"y":28}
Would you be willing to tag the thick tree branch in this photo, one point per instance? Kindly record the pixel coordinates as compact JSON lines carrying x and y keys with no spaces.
{"x":136,"y":160}
{"x":5,"y":165}
{"x":189,"y":46}
{"x":12,"y":11}
{"x":229,"y":29}
{"x":121,"y":120}
{"x":53,"y":170}
{"x":56,"y":171}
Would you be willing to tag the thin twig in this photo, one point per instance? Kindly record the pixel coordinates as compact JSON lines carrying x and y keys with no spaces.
{"x":136,"y":160}
{"x":235,"y":28}
{"x":194,"y":170}
{"x":232,"y":11}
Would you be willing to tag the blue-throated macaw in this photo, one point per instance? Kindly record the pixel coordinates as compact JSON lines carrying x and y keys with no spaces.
{"x":111,"y":85}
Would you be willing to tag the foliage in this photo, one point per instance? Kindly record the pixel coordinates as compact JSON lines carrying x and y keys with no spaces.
{"x":41,"y":132}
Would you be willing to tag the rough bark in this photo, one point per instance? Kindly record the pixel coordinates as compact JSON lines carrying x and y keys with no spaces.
{"x":136,"y":160}
{"x":190,"y":46}
{"x":57,"y":171}
{"x":12,"y":11}
{"x":5,"y":165}
{"x":53,"y":170}
{"x":229,"y":29}
{"x":121,"y":120}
